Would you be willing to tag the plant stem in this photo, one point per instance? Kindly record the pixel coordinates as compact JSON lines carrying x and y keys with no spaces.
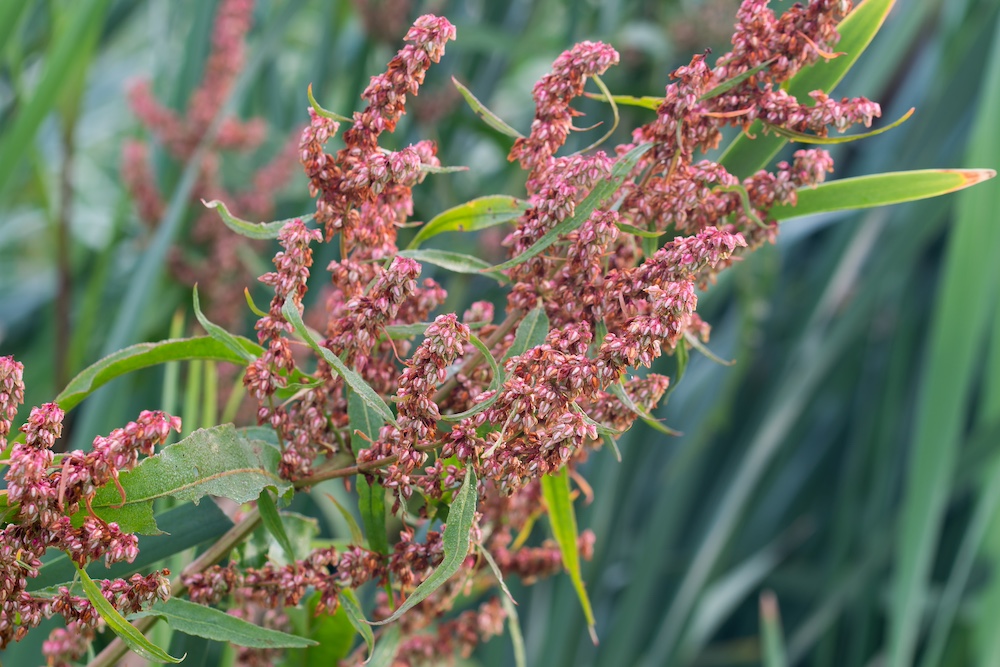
{"x":114,"y":651}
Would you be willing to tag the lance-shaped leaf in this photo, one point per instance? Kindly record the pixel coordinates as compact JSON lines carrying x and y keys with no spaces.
{"x":635,"y":231}
{"x":772,"y":636}
{"x":603,"y":190}
{"x":252,"y":230}
{"x":744,"y":156}
{"x":215,"y":461}
{"x":646,"y":102}
{"x":201,"y":621}
{"x":218,"y":333}
{"x":729,"y":84}
{"x":805,"y":138}
{"x":456,"y":540}
{"x":320,"y":111}
{"x":562,"y":518}
{"x":134,"y":639}
{"x":471,"y":216}
{"x":146,"y":355}
{"x":371,"y":497}
{"x":388,"y":646}
{"x":622,"y":395}
{"x":495,"y":383}
{"x":454,"y":261}
{"x":291,"y":313}
{"x":488,"y":116}
{"x":349,"y":601}
{"x":531,"y":332}
{"x":272,"y":522}
{"x":880,"y":190}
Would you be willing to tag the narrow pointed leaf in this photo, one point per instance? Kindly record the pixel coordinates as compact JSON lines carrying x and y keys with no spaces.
{"x":647,"y":102}
{"x":453,"y":261}
{"x":635,"y":231}
{"x":531,"y":332}
{"x":472,"y":216}
{"x":371,"y":497}
{"x":729,"y":84}
{"x":201,"y":621}
{"x":488,"y":116}
{"x":252,"y":230}
{"x":349,"y":601}
{"x":385,"y":651}
{"x":495,"y":383}
{"x":272,"y":522}
{"x":603,"y":190}
{"x":456,"y":541}
{"x":323,"y":112}
{"x":488,"y":557}
{"x":804,"y":138}
{"x":351,"y":378}
{"x":134,"y":639}
{"x":218,"y":333}
{"x":562,"y":518}
{"x":619,"y":392}
{"x":516,"y":638}
{"x":880,"y":190}
{"x":772,"y":636}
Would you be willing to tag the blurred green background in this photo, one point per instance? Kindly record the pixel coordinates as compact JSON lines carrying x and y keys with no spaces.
{"x":849,"y":461}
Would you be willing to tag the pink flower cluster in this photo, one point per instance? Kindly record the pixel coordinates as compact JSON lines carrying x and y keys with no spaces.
{"x":43,"y":494}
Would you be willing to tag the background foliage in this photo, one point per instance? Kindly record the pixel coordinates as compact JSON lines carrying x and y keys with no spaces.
{"x":848,"y":461}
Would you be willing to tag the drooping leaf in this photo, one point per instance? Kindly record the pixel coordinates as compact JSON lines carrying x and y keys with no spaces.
{"x":350,"y":604}
{"x":488,"y":557}
{"x":146,"y":355}
{"x":562,"y":518}
{"x":880,"y":190}
{"x":619,"y":392}
{"x":272,"y":522}
{"x":371,"y":498}
{"x":495,"y":383}
{"x":214,"y":461}
{"x":805,"y":138}
{"x":323,"y":112}
{"x":134,"y":639}
{"x":488,"y":116}
{"x":252,"y":230}
{"x":453,"y":261}
{"x":647,"y":102}
{"x":210,"y":623}
{"x":472,"y":216}
{"x":744,"y":155}
{"x":385,"y":651}
{"x":604,"y":189}
{"x":531,"y":332}
{"x":218,"y":333}
{"x":351,"y":378}
{"x":456,"y":540}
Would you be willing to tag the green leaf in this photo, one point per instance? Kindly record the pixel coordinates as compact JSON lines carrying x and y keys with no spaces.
{"x":214,"y":461}
{"x":456,"y":540}
{"x":729,"y":84}
{"x":495,"y":383}
{"x":488,"y":116}
{"x":646,"y":102}
{"x":333,"y":634}
{"x":272,"y":522}
{"x":385,"y":652}
{"x":134,"y":639}
{"x":472,"y":216}
{"x":371,"y":498}
{"x":351,"y":378}
{"x":619,"y":392}
{"x":514,"y":626}
{"x":349,"y":603}
{"x":218,"y":333}
{"x":880,"y":190}
{"x":744,"y":156}
{"x":488,"y":557}
{"x":805,"y":138}
{"x":432,"y":169}
{"x":772,"y":637}
{"x":635,"y":231}
{"x":531,"y":332}
{"x":201,"y":621}
{"x":357,"y":537}
{"x":185,"y":526}
{"x":604,"y":189}
{"x":562,"y":518}
{"x":146,"y":355}
{"x":453,"y":261}
{"x":252,"y":230}
{"x":616,"y":118}
{"x":323,"y":112}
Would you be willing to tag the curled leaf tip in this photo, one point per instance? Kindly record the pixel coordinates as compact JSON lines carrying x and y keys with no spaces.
{"x":323,"y":112}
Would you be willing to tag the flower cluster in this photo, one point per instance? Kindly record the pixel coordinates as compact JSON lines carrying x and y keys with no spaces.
{"x":43,"y":495}
{"x":613,"y":304}
{"x":220,"y":270}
